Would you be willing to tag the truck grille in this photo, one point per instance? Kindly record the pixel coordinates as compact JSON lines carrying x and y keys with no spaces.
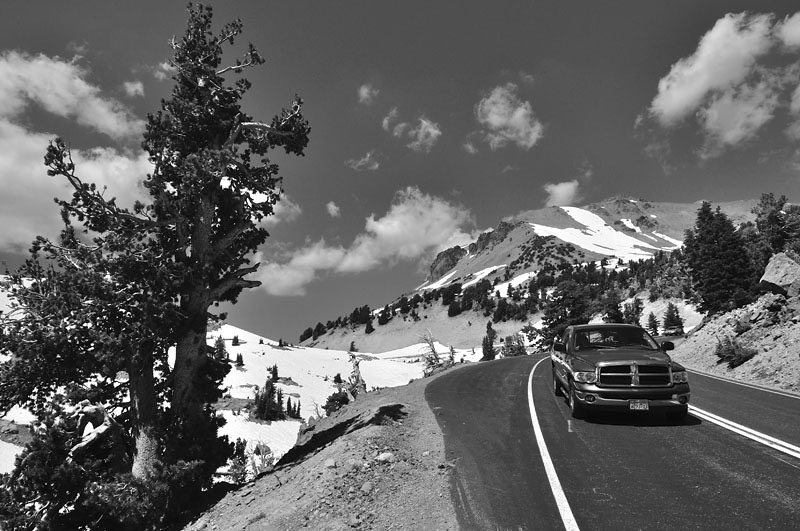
{"x":634,"y":376}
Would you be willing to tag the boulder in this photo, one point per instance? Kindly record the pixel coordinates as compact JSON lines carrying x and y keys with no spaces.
{"x":784,"y":273}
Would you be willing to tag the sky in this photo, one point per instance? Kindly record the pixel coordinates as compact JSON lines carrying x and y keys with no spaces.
{"x":431,"y":121}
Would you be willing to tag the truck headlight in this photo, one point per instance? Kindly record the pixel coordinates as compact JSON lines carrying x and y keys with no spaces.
{"x":585,"y":377}
{"x":680,"y":377}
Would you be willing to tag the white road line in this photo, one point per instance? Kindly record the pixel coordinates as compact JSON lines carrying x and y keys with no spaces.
{"x":555,"y":485}
{"x":745,"y":384}
{"x":772,"y":442}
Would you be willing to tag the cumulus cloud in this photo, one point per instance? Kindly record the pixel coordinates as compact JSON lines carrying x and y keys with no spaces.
{"x":367,"y":94}
{"x":416,"y":225}
{"x":333,"y":209}
{"x":788,"y":31}
{"x":424,"y":136}
{"x":163,"y":70}
{"x":284,"y":211}
{"x":389,"y":118}
{"x":506,"y":119}
{"x":562,"y":194}
{"x":723,"y":59}
{"x":28,"y":191}
{"x":59,"y":87}
{"x":133,"y":88}
{"x":734,"y":117}
{"x":733,"y":84}
{"x":368,"y":162}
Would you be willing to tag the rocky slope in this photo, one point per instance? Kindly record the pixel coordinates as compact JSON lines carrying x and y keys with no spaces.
{"x":377,"y":464}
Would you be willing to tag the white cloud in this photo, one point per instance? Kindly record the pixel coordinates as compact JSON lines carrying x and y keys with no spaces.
{"x":562,"y":194}
{"x":506,"y":119}
{"x":734,"y":117}
{"x":284,"y":211}
{"x":291,"y":278}
{"x":389,"y":118}
{"x":367,"y":94}
{"x":793,"y":131}
{"x":469,"y":147}
{"x":60,"y":88}
{"x":416,"y":225}
{"x":788,"y":31}
{"x":27,"y":206}
{"x":163,"y":70}
{"x":424,"y":136}
{"x":368,"y":162}
{"x":133,"y":88}
{"x":333,"y":209}
{"x":724,"y":58}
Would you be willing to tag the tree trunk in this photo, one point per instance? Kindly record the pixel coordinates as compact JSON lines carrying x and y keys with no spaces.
{"x":143,"y":398}
{"x":190,"y":361}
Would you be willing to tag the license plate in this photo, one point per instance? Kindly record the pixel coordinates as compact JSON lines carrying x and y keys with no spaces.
{"x":639,"y":405}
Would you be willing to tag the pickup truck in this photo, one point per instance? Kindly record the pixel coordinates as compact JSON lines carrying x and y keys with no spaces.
{"x":610,"y":366}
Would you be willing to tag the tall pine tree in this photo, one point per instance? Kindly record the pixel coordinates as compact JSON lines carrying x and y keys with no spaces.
{"x":718,"y":262}
{"x":149,"y":276}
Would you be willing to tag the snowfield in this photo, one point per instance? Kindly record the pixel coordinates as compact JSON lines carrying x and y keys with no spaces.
{"x":306,"y":375}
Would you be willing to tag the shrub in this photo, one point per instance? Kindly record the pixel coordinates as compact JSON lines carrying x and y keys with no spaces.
{"x":729,"y":350}
{"x":335,"y":402}
{"x":238,"y":462}
{"x":514,"y":346}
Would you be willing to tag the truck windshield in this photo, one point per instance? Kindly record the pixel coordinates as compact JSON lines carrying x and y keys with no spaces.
{"x":609,"y":337}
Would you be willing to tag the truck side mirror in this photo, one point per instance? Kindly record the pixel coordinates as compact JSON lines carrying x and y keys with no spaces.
{"x":559,"y":347}
{"x":667,"y":345}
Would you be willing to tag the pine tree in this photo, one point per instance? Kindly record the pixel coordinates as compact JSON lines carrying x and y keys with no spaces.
{"x":672,"y":319}
{"x":611,"y":306}
{"x":151,"y":275}
{"x":219,"y":348}
{"x":718,"y":262}
{"x":274,"y":372}
{"x":652,"y":323}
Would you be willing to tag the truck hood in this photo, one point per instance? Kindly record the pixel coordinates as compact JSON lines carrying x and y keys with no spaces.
{"x":619,"y":355}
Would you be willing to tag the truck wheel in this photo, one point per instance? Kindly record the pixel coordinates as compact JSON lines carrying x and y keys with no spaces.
{"x":576,"y":408}
{"x":556,"y":384}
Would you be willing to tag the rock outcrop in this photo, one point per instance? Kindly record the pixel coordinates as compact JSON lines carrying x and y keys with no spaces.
{"x":782,"y":273}
{"x":445,"y":261}
{"x":491,"y":238}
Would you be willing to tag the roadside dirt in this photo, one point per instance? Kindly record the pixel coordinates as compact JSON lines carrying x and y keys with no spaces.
{"x":377,"y":464}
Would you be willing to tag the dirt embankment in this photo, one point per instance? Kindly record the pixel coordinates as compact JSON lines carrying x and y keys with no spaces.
{"x":770,"y":326}
{"x":377,"y":464}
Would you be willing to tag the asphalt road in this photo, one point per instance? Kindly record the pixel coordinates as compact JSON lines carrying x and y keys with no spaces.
{"x":617,"y":471}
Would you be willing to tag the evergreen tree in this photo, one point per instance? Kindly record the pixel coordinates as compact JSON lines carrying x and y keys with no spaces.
{"x":369,"y":328}
{"x":570,"y":304}
{"x":274,"y":372}
{"x":632,"y":312}
{"x":454,"y":308}
{"x":652,"y":323}
{"x":307,"y":333}
{"x":219,"y":348}
{"x":672,"y":319}
{"x":235,"y":341}
{"x":718,"y":262}
{"x":352,"y":347}
{"x":611,"y":306}
{"x":268,"y":403}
